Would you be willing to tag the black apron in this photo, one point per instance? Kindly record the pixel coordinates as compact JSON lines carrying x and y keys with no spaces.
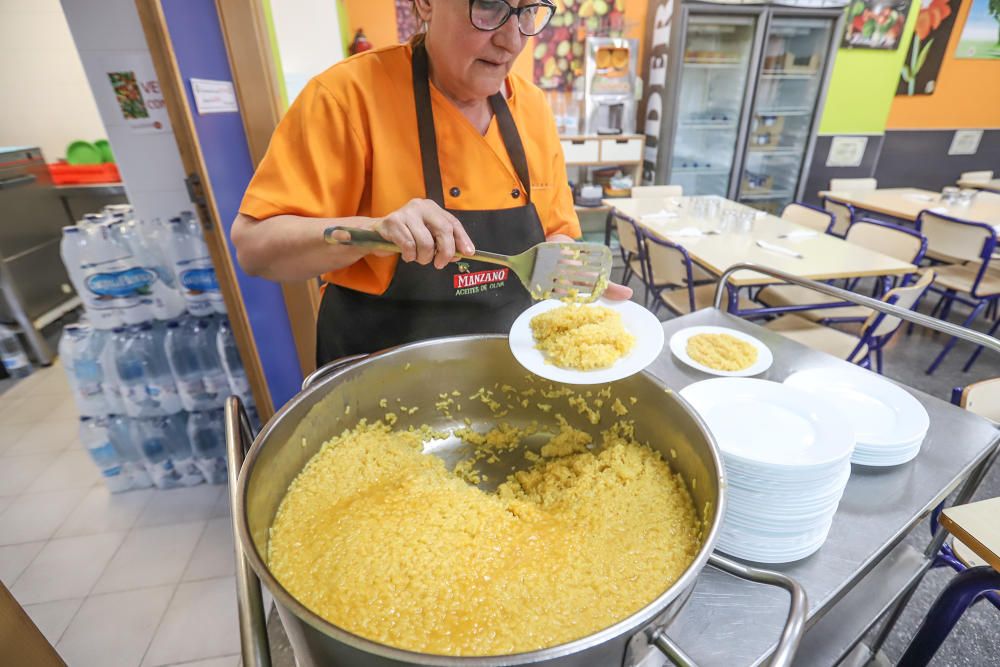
{"x":462,"y":298}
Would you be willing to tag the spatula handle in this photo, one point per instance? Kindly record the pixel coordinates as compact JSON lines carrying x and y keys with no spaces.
{"x":366,"y":238}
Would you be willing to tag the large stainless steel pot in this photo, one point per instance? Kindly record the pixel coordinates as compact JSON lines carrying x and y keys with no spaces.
{"x":338,"y":396}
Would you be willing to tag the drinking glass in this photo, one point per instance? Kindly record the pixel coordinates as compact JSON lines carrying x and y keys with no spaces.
{"x":965,"y":196}
{"x":949,"y":194}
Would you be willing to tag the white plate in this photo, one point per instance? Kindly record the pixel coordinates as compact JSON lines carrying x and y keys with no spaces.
{"x":678,"y":345}
{"x":637,"y":321}
{"x":882,"y":413}
{"x":771,"y":424}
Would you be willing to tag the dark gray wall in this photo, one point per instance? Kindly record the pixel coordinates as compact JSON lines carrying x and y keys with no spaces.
{"x":904,"y":158}
{"x":819,"y":174}
{"x":919,"y":158}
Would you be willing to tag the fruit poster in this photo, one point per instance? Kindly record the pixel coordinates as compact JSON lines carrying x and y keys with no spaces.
{"x":981,"y":34}
{"x":559,"y":54}
{"x":875,"y":24}
{"x":927,"y":48}
{"x":136,"y":92}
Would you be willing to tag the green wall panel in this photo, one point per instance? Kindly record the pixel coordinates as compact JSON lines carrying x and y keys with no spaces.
{"x":863,"y":84}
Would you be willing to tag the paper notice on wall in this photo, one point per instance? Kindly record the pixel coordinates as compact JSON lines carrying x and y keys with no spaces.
{"x":846,"y":151}
{"x":132,"y":81}
{"x":965,"y":142}
{"x":214,"y":96}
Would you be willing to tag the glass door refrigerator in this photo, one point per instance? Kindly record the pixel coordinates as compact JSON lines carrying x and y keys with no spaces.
{"x":740,"y":97}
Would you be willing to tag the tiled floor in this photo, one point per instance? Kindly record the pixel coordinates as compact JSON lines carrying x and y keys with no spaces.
{"x":143,"y":578}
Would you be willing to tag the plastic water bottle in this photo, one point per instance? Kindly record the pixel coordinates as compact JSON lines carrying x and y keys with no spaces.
{"x":94,"y":436}
{"x":111,"y":277}
{"x":143,"y":241}
{"x":80,"y":349}
{"x":180,"y":450}
{"x":193,"y":266}
{"x":232,"y":364}
{"x":208,"y":441}
{"x":124,"y":210}
{"x":12,"y":355}
{"x":194,"y":360}
{"x":124,"y":440}
{"x":75,"y":247}
{"x":153,"y":435}
{"x":147,"y":386}
{"x":114,"y":341}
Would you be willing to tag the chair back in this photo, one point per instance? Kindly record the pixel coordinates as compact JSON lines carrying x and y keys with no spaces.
{"x":853,"y":184}
{"x":646,"y":191}
{"x":961,"y":239}
{"x":669,"y":265}
{"x":808,"y":216}
{"x":843,"y":215}
{"x":879,"y":324}
{"x":982,"y":398}
{"x":628,"y":236}
{"x":902,"y":243}
{"x":976,"y":176}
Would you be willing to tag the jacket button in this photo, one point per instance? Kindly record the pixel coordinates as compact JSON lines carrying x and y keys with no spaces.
{"x":454,"y":192}
{"x":515,"y":193}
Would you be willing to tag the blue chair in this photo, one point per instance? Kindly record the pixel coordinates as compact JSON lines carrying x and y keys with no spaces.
{"x":843,"y":215}
{"x":904,"y":244}
{"x":674,"y":278}
{"x":633,"y":251}
{"x":971,"y":246}
{"x":864,"y":348}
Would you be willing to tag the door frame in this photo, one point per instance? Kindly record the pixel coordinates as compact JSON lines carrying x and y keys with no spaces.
{"x":247,"y":46}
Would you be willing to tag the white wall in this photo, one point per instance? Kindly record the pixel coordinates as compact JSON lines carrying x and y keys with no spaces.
{"x":46,"y":97}
{"x":109,"y":37}
{"x":308,"y":36}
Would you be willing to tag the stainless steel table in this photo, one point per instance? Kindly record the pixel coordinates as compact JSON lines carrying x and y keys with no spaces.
{"x":862,"y":569}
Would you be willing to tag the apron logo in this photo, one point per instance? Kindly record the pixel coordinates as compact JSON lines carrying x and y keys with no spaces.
{"x":480,"y":281}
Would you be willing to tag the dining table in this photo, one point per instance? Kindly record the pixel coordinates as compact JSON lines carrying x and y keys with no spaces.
{"x":993,"y":185}
{"x":907,"y":203}
{"x":768,"y":240}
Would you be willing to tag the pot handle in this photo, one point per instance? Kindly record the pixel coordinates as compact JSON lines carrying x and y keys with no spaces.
{"x":334,"y":365}
{"x":791,"y":635}
{"x":254,"y":644}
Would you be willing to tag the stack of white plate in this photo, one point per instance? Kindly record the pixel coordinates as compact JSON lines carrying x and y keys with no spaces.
{"x":787,"y":458}
{"x":889,"y":423}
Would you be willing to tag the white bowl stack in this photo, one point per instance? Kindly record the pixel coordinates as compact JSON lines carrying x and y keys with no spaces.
{"x":787,"y":458}
{"x":889,"y":423}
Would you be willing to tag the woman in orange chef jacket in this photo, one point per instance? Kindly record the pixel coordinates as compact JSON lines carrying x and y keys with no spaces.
{"x":438,"y":148}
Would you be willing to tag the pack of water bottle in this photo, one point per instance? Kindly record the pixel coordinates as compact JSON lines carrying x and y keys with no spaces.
{"x":128,"y":271}
{"x":150,"y":397}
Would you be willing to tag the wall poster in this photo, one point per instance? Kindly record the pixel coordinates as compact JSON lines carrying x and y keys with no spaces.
{"x":927,"y":48}
{"x":875,"y":24}
{"x":981,"y":34}
{"x":558,"y":54}
{"x":132,"y":81}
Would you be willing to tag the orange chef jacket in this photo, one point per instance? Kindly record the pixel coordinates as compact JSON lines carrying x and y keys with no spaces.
{"x":349,"y":146}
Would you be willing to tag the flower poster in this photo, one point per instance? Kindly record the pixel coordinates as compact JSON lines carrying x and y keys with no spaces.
{"x":875,"y":24}
{"x":981,"y":34}
{"x":927,"y":49}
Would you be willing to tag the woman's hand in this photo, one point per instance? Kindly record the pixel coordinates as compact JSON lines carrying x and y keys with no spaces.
{"x":425,"y":233}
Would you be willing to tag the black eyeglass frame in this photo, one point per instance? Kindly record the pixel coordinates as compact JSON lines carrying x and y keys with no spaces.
{"x":511,"y":10}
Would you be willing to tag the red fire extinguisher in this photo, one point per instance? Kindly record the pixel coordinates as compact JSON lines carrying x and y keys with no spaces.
{"x":360,"y":43}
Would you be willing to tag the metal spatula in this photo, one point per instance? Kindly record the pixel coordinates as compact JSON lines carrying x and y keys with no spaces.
{"x":574,"y":271}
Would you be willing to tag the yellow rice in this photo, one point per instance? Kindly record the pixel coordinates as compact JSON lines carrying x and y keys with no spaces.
{"x":581,"y":337}
{"x":722,"y":352}
{"x":384,"y":541}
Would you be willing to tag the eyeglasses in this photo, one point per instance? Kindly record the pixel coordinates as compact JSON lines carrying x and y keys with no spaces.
{"x":488,"y":15}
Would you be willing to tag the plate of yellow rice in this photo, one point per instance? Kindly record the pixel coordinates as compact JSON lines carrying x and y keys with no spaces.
{"x":721,"y":351}
{"x":586,"y":343}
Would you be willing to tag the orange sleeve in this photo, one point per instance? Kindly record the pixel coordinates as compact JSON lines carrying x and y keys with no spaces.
{"x":556,"y":208}
{"x":315,"y":165}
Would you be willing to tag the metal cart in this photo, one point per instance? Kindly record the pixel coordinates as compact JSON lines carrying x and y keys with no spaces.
{"x":862,"y":573}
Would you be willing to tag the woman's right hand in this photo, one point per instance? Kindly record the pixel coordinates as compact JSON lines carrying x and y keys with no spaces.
{"x":425,"y":233}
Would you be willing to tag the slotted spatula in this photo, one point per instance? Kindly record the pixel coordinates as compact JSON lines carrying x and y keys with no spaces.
{"x":574,"y":271}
